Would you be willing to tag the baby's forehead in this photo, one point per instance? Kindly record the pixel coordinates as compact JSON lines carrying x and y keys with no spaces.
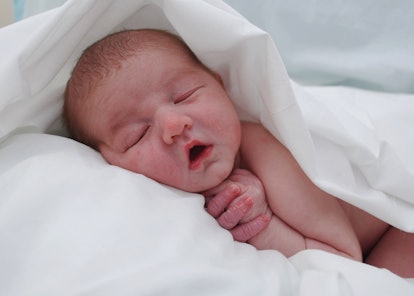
{"x":136,"y":55}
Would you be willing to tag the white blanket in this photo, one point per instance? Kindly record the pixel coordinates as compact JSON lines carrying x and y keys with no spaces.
{"x":71,"y":224}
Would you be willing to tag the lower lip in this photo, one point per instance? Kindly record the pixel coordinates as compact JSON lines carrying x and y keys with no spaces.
{"x":200,"y":159}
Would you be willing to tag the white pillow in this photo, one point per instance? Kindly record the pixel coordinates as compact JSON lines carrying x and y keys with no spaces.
{"x":71,"y":224}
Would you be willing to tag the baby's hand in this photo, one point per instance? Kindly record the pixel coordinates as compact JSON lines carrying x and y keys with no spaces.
{"x":239,"y":205}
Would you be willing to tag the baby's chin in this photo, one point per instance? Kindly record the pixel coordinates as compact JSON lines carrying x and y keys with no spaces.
{"x":208,"y":182}
{"x":196,"y":188}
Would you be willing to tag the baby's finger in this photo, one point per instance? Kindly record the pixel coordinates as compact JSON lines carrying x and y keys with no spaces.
{"x":244,"y":232}
{"x":213,"y":191}
{"x":217,"y":205}
{"x":232,"y":216}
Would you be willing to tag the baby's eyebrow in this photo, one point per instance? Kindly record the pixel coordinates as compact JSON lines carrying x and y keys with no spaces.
{"x":180,"y":78}
{"x":121,"y":117}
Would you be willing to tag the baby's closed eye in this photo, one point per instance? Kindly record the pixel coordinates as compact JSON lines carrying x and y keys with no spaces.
{"x":187,"y":94}
{"x":136,"y":136}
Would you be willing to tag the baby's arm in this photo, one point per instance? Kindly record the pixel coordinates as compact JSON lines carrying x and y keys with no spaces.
{"x":239,"y":205}
{"x":305,"y":217}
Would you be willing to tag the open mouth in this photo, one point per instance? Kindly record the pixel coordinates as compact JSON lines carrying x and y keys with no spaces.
{"x":196,"y":152}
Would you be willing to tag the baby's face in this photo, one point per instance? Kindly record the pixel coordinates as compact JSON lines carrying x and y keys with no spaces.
{"x":166,"y":118}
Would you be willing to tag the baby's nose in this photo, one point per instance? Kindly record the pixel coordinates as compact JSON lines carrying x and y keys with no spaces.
{"x":174,"y":124}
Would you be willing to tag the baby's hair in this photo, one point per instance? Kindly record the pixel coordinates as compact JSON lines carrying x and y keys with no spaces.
{"x":98,"y":61}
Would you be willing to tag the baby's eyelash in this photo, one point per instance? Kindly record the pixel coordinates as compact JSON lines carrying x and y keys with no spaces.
{"x":186,"y":95}
{"x":181,"y":98}
{"x":141,"y":134}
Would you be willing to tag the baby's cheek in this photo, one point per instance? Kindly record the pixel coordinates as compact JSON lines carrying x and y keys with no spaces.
{"x":132,"y":161}
{"x":165,"y":173}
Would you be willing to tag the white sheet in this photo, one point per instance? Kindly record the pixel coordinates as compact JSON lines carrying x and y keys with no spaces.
{"x":71,"y":224}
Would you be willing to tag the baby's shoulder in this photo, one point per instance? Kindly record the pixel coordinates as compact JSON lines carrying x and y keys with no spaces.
{"x":258,"y":146}
{"x":256,"y":139}
{"x":251,"y":127}
{"x":252,"y":131}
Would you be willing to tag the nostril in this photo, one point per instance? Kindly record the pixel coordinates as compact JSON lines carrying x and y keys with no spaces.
{"x":188,"y":123}
{"x":172,"y":121}
{"x":168,"y":140}
{"x":174,"y":125}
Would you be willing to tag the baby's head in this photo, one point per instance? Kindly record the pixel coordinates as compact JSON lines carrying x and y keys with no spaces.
{"x":98,"y":62}
{"x":147,"y":104}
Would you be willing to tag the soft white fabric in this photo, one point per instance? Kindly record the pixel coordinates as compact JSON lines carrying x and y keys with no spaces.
{"x":71,"y":224}
{"x":364,"y":148}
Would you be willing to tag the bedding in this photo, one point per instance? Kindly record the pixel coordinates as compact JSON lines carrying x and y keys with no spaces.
{"x":70,"y":224}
